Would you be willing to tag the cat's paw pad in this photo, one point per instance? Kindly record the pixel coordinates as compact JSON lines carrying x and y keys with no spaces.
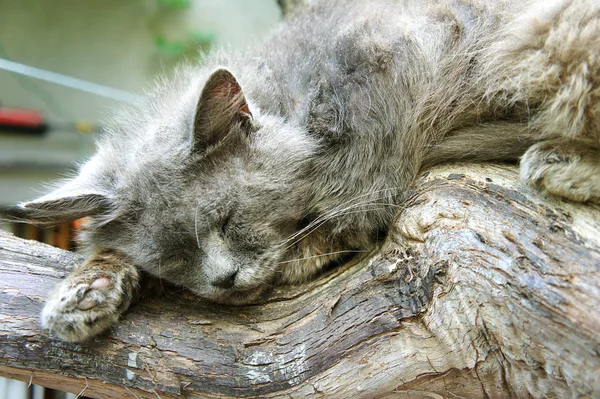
{"x":83,"y":306}
{"x":568,"y":171}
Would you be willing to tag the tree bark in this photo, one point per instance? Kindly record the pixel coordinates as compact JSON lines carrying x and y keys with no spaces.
{"x":484,"y":288}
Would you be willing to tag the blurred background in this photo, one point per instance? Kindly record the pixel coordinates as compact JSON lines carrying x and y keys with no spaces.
{"x":64,"y":64}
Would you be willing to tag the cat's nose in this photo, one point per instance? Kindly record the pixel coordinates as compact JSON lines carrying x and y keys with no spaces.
{"x":226,"y":281}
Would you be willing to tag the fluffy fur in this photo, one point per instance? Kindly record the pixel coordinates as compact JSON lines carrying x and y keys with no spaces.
{"x":262,"y":167}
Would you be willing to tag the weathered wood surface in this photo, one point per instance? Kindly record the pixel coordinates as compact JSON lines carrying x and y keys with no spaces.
{"x":485,"y":289}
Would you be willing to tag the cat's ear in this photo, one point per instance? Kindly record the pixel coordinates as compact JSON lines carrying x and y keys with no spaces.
{"x":73,"y":200}
{"x":221,"y":106}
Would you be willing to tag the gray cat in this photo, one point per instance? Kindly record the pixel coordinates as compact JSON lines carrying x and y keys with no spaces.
{"x":260,"y":168}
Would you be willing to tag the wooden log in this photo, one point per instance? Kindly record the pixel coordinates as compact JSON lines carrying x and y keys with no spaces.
{"x":485,"y":288}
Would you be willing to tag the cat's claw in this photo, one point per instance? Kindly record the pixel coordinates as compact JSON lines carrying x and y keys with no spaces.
{"x":89,"y":301}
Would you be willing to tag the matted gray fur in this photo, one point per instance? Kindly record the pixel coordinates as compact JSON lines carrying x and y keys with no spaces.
{"x":261,"y":167}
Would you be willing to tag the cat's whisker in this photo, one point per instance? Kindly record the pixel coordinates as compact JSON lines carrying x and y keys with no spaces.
{"x":345,"y":213}
{"x":160,"y":277}
{"x":302,"y":234}
{"x":340,"y":209}
{"x":196,"y":227}
{"x":313,"y":226}
{"x":322,"y":255}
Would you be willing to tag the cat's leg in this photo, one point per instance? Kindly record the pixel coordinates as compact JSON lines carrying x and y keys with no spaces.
{"x":92,"y":298}
{"x":548,"y":61}
{"x":569,"y":169}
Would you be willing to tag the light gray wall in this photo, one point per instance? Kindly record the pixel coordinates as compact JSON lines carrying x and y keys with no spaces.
{"x":110,"y":42}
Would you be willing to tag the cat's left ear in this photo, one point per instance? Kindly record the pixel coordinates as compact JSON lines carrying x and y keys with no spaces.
{"x":76,"y":198}
{"x":221,"y":106}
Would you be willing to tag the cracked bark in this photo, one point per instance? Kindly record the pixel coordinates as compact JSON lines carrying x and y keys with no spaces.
{"x":484,"y":289}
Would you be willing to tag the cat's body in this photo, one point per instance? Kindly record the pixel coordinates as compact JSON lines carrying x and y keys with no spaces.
{"x":227,"y":181}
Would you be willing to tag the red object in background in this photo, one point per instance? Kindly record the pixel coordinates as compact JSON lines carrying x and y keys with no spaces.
{"x":21,"y":119}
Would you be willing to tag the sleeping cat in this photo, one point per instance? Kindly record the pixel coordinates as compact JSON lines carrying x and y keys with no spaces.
{"x":260,"y":168}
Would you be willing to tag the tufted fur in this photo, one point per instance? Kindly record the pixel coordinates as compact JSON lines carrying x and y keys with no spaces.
{"x":259,"y":168}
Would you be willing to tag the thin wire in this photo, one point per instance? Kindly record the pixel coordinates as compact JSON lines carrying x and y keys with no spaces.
{"x":37,"y":90}
{"x":67,"y":81}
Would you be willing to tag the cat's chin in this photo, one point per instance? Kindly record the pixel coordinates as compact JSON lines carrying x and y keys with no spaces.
{"x":235,"y":297}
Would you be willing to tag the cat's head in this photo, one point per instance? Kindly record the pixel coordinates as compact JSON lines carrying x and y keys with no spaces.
{"x":204,"y":192}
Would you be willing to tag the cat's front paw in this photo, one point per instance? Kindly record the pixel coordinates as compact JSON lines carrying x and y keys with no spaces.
{"x":568,"y":169}
{"x":90,"y":300}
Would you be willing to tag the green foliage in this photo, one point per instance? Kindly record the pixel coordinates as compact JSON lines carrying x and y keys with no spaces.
{"x":192,"y":46}
{"x":180,"y":4}
{"x":196,"y":43}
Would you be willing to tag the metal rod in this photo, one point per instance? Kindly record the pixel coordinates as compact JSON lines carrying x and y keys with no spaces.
{"x":68,"y":81}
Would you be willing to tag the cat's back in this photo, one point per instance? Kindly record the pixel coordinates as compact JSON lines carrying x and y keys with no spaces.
{"x":348,"y":46}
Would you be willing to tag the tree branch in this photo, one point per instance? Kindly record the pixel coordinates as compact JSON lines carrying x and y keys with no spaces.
{"x":485,"y":288}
